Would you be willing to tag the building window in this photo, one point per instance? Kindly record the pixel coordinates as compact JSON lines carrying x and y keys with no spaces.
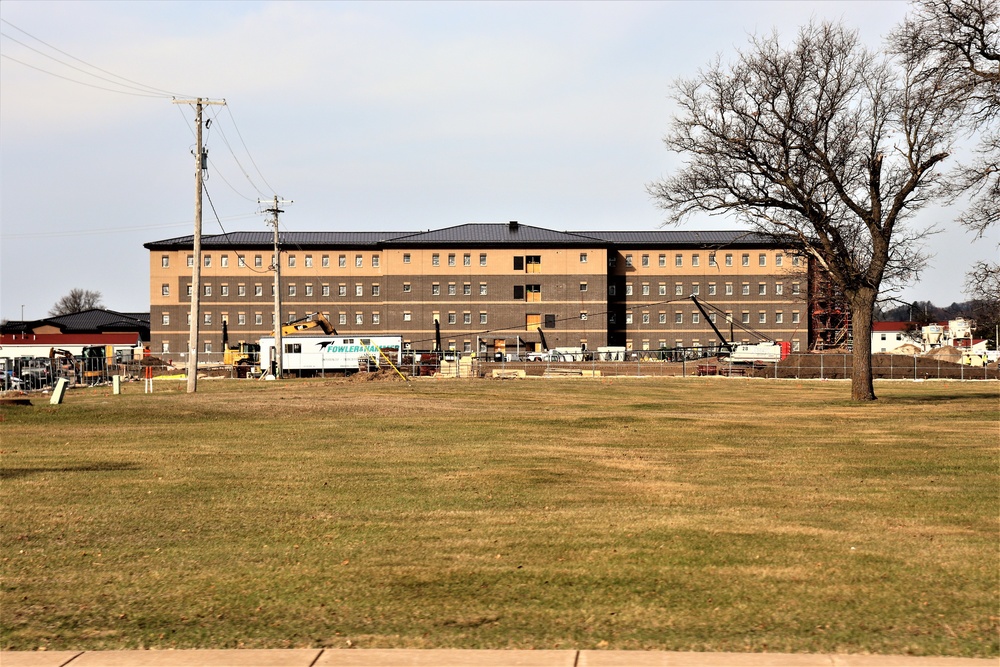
{"x":258,"y":319}
{"x":208,"y":261}
{"x":795,"y":346}
{"x":678,"y":317}
{"x":611,"y":290}
{"x":533,"y":292}
{"x":406,"y":316}
{"x":164,"y":346}
{"x":165,"y":261}
{"x":628,"y":318}
{"x":435,"y":260}
{"x":762,"y":259}
{"x":165,"y":289}
{"x":325,"y":261}
{"x":224,"y":261}
{"x":326,"y":290}
{"x":187,"y":319}
{"x":779,"y":289}
{"x":190,"y":261}
{"x":745,"y":259}
{"x":359,"y":318}
{"x":711,"y":289}
{"x":225,"y":290}
{"x":729,"y":289}
{"x":583,"y":258}
{"x":533,"y":263}
{"x":729,"y":259}
{"x":208,"y":289}
{"x":467,"y":289}
{"x":746,"y":289}
{"x":189,"y":289}
{"x":678,"y":260}
{"x":208,"y":318}
{"x":241,"y":261}
{"x":678,"y":289}
{"x":628,"y":260}
{"x":309,"y":261}
{"x":695,"y":290}
{"x":695,"y":318}
{"x":375,"y":290}
{"x":628,"y":289}
{"x":645,"y":289}
{"x":342,"y":290}
{"x":241,"y":290}
{"x":645,"y":318}
{"x":258,"y":290}
{"x":342,"y":261}
{"x":795,"y":317}
{"x":483,"y":289}
{"x":451,"y":259}
{"x":745,"y":319}
{"x":406,"y":258}
{"x":795,"y":288}
{"x":663,"y":260}
{"x":451,"y":318}
{"x":291,"y":290}
{"x":467,"y":318}
{"x":359,"y":261}
{"x":779,"y":317}
{"x":695,"y":260}
{"x":761,"y":317}
{"x":796,"y":260}
{"x":645,"y":261}
{"x":663,"y":318}
{"x":583,"y":287}
{"x":342,"y":318}
{"x":376,"y":262}
{"x":711,"y":259}
{"x":241,"y":319}
{"x":258,"y":261}
{"x":482,"y":318}
{"x":663,"y":289}
{"x":451,"y":289}
{"x":406,"y":288}
{"x":309,"y":290}
{"x":165,"y":319}
{"x":435,"y":290}
{"x":482,"y":259}
{"x":466,"y":259}
{"x":208,"y":347}
{"x":359,"y":289}
{"x":779,"y":259}
{"x":376,"y":318}
{"x":761,"y":289}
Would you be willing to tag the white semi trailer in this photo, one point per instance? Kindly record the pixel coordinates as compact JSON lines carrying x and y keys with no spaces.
{"x":312,"y":355}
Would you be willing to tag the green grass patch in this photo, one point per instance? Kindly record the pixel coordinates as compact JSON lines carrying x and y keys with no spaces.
{"x":676,"y":514}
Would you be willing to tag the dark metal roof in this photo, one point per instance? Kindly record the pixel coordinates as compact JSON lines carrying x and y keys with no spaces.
{"x":96,"y":320}
{"x":685,"y":238}
{"x":471,"y":234}
{"x":494,"y":234}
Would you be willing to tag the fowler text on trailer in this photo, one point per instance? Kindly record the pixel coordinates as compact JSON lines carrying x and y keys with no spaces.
{"x":308,"y":355}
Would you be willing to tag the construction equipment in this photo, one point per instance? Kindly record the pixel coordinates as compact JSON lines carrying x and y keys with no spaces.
{"x":244,"y":354}
{"x":305,"y":325}
{"x":763,"y":351}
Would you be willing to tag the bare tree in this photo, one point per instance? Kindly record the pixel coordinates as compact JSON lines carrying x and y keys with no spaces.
{"x":958,"y":41}
{"x":78,"y":300}
{"x":823,"y":144}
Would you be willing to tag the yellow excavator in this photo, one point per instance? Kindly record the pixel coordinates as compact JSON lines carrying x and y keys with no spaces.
{"x":305,"y":325}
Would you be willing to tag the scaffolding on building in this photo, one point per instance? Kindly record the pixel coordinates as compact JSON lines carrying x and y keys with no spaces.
{"x":829,"y":314}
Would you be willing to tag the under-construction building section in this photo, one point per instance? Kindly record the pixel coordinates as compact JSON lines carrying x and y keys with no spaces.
{"x":829,"y":316}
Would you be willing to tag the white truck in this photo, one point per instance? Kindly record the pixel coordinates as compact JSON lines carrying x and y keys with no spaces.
{"x":344,"y":353}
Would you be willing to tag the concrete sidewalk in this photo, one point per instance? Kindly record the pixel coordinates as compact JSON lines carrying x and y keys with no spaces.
{"x":462,"y":658}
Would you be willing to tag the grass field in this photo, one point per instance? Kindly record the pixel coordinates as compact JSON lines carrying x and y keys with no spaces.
{"x":697,"y":514}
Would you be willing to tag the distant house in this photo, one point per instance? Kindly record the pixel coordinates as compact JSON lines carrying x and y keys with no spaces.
{"x":98,"y":326}
{"x":887,"y":336}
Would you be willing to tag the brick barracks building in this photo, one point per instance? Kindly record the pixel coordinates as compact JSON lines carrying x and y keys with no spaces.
{"x":488,"y":286}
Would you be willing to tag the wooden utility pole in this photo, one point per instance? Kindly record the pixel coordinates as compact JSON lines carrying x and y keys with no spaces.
{"x":278,"y":346}
{"x":200,"y":164}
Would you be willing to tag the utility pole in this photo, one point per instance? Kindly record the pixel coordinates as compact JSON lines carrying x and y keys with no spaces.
{"x":200,"y":164}
{"x":278,"y":346}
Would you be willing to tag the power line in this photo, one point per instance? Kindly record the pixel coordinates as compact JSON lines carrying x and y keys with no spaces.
{"x":252,"y":161}
{"x":82,"y":83}
{"x":162,"y":93}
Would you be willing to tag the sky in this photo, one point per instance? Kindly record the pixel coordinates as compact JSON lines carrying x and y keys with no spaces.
{"x":368,"y":116}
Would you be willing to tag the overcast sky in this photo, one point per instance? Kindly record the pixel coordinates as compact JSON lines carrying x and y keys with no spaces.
{"x":375,"y":116}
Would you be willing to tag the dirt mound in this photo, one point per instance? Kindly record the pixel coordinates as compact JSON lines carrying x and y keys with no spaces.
{"x":908,"y":349}
{"x":945,"y":353}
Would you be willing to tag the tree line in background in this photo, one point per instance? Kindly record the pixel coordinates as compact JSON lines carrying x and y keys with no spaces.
{"x":831,"y":147}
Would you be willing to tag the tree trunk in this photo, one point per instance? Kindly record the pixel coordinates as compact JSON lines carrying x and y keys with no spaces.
{"x":862,"y":307}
